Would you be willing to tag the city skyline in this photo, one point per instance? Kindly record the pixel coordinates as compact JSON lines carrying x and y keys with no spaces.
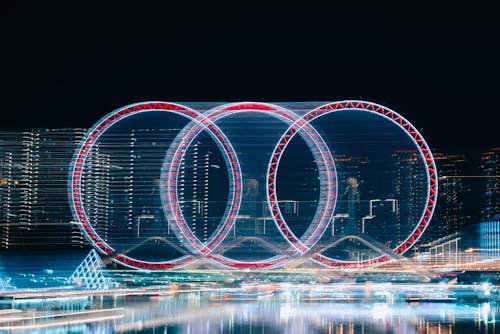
{"x":248,"y":167}
{"x":455,"y":209}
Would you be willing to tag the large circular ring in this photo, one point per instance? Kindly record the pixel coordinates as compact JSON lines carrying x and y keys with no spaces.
{"x":78,"y":165}
{"x":324,"y":212}
{"x":424,"y":152}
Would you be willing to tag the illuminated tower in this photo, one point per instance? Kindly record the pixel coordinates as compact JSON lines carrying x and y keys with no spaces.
{"x":33,"y":186}
{"x":352,"y":204}
{"x":95,"y":185}
{"x":449,"y":217}
{"x":408,"y":191}
{"x":490,"y":198}
{"x":7,"y":183}
{"x":31,"y":174}
{"x":194,"y":188}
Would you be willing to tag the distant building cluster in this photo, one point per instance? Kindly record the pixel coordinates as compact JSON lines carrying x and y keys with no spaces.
{"x":34,"y":168}
{"x":118,"y":189}
{"x":469,"y":191}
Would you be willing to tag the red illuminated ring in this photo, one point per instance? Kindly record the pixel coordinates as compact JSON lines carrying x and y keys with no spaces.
{"x":425,"y":153}
{"x":168,"y":186}
{"x":78,"y":164}
{"x":328,"y":186}
{"x":173,"y":211}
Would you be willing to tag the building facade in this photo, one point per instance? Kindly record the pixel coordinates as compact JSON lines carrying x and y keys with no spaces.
{"x":490,"y":169}
{"x":34,"y":168}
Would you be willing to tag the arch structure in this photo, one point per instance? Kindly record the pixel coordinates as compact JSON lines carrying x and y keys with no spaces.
{"x":206,"y":121}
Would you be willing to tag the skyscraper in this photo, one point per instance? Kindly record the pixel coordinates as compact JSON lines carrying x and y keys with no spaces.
{"x":202,"y":187}
{"x":466,"y":194}
{"x":193,"y":188}
{"x":448,"y":213}
{"x":33,"y":186}
{"x":490,"y":198}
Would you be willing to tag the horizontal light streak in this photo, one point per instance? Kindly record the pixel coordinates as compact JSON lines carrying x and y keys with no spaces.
{"x":61,"y":323}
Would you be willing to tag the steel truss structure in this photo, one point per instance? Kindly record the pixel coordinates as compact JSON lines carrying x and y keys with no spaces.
{"x":207,"y":122}
{"x":89,"y":275}
{"x":4,"y":285}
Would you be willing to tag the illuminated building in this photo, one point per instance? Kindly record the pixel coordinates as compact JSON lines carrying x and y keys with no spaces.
{"x":96,"y":185}
{"x":201,"y":167}
{"x":451,"y":212}
{"x":33,"y":182}
{"x":489,"y":239}
{"x":349,"y":208}
{"x":490,"y":199}
{"x":468,"y":191}
{"x":404,"y":204}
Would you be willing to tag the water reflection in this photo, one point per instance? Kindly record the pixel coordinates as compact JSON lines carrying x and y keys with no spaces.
{"x":201,"y":313}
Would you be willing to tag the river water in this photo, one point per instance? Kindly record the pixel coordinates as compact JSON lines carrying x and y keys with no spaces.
{"x":208,"y":313}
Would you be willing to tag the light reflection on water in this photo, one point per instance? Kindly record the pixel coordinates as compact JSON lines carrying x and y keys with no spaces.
{"x":198,"y":313}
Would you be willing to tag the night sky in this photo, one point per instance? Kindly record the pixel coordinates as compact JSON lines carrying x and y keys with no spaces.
{"x":67,"y":65}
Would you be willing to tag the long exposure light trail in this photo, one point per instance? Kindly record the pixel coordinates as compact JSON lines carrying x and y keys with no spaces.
{"x":57,"y":315}
{"x":61,"y":323}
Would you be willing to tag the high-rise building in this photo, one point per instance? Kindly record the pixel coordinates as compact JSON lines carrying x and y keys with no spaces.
{"x":468,"y":191}
{"x":412,"y":191}
{"x":202,"y":187}
{"x":489,"y":239}
{"x":96,"y":193}
{"x":120,"y":186}
{"x":349,"y":207}
{"x":33,"y":186}
{"x":396,"y":196}
{"x":193,"y":188}
{"x":490,"y":198}
{"x":449,"y":214}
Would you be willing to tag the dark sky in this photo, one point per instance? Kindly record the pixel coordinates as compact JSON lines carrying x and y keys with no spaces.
{"x":68,"y":65}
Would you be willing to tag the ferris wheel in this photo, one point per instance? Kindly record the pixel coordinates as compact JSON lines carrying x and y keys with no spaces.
{"x":191,"y":248}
